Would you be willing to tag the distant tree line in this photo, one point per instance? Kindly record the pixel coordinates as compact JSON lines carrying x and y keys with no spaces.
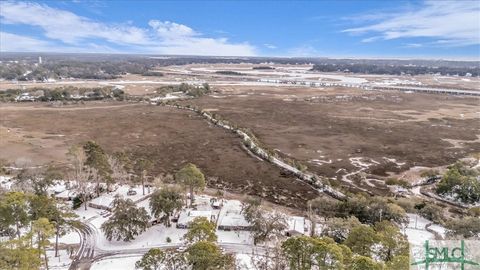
{"x":73,"y":69}
{"x":263,"y":67}
{"x":396,"y":69}
{"x":188,"y":89}
{"x":63,"y":94}
{"x":24,"y":66}
{"x":229,"y":72}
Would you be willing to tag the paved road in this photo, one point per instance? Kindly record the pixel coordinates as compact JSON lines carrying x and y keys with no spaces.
{"x":88,"y":253}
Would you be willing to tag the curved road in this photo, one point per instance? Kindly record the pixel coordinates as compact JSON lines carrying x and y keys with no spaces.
{"x":88,"y":253}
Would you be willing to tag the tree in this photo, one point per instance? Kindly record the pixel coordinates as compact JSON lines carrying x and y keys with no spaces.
{"x":398,"y":263}
{"x":31,"y":180}
{"x":361,"y":240}
{"x":372,"y":209}
{"x":468,"y":227}
{"x":14,"y":211}
{"x":365,"y":263}
{"x":392,"y":242}
{"x":175,"y":260}
{"x":270,"y":259}
{"x":63,"y":220}
{"x":119,"y":174}
{"x":43,"y":230}
{"x":339,"y":228}
{"x":190,"y":176}
{"x":265,"y":225}
{"x":152,"y":260}
{"x":205,"y":255}
{"x":431,"y":212}
{"x":251,"y":208}
{"x":51,"y":173}
{"x":164,"y":202}
{"x":305,"y":253}
{"x":81,"y":173}
{"x":324,"y":207}
{"x":299,"y":252}
{"x":460,"y":182}
{"x":98,"y":160}
{"x":141,"y":167}
{"x":18,"y":254}
{"x":127,"y":221}
{"x":200,"y":229}
{"x":330,"y":255}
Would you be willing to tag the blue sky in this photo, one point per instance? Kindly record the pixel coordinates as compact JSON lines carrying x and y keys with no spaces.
{"x":400,"y":29}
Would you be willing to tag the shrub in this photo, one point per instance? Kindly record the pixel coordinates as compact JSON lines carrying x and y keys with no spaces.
{"x":77,"y":202}
{"x":397,"y":182}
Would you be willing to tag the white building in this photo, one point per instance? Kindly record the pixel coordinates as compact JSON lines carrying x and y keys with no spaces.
{"x":296,"y":226}
{"x":231,"y":217}
{"x":188,"y":216}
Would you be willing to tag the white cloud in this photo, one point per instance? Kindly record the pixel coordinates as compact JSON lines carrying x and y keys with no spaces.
{"x":171,"y":30}
{"x":75,"y":31}
{"x":68,"y":27}
{"x":270,"y":46}
{"x":17,"y":43}
{"x":452,"y":23}
{"x":413,"y":45}
{"x":12,"y":42}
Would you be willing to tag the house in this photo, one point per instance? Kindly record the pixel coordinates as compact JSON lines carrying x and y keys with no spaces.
{"x":296,"y":226}
{"x":231,"y":217}
{"x":66,"y":195}
{"x":25,"y":97}
{"x":189,"y":215}
{"x":105,"y":200}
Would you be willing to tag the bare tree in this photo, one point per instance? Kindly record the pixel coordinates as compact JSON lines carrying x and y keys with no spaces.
{"x":267,"y":258}
{"x":119,"y":174}
{"x":81,"y":173}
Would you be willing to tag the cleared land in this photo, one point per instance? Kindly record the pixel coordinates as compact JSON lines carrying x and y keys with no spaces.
{"x":168,"y":137}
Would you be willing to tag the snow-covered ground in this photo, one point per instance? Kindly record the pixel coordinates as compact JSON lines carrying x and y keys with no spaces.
{"x":6,"y":182}
{"x":116,"y":262}
{"x":416,"y":230}
{"x":106,"y":199}
{"x":123,"y":262}
{"x":156,"y":236}
{"x":62,"y":262}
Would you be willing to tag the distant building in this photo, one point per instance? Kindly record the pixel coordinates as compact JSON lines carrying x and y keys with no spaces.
{"x":39,"y":60}
{"x":24,"y":97}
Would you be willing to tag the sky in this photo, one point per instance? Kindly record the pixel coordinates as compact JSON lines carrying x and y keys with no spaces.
{"x":362,"y":29}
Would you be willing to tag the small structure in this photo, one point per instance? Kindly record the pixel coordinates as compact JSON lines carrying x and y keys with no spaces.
{"x":188,"y":216}
{"x":66,"y":195}
{"x":232,"y":219}
{"x":25,"y":97}
{"x":296,"y":226}
{"x":215,"y":203}
{"x":105,"y":200}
